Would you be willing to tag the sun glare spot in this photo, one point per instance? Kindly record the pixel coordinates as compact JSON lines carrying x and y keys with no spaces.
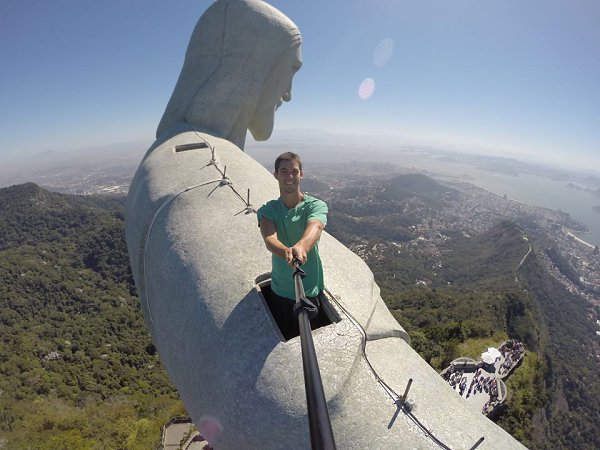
{"x":209,"y":428}
{"x":383,"y":52}
{"x":366,"y":88}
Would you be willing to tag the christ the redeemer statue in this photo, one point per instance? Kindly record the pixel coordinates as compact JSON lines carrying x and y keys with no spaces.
{"x":202,"y":270}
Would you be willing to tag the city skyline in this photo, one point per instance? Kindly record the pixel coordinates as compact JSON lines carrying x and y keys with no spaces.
{"x":504,"y":78}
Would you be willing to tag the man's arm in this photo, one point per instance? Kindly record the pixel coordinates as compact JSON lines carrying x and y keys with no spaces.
{"x":274,"y":245}
{"x":311,"y":235}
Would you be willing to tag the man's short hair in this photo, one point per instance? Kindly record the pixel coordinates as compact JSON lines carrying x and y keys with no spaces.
{"x":288,"y":156}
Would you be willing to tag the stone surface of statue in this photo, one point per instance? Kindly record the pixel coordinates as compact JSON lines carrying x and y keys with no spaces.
{"x":198,"y":260}
{"x":238,"y":69}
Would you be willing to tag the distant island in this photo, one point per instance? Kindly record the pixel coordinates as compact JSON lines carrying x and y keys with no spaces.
{"x":592,"y":180}
{"x":597,"y":209}
{"x":595,"y":192}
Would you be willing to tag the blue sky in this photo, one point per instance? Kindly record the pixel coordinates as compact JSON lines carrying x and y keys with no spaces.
{"x":512,"y":77}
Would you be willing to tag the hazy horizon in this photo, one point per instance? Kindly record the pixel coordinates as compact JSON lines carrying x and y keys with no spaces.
{"x":502,"y":77}
{"x":45,"y":159}
{"x":110,"y":169}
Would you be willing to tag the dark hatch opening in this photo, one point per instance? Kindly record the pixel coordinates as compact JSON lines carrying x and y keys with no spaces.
{"x":284,"y":317}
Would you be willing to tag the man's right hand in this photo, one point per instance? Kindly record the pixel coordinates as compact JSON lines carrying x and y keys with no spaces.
{"x":299,"y":253}
{"x":289,"y":256}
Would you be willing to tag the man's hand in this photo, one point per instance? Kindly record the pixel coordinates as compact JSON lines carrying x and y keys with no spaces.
{"x":299,"y":252}
{"x":300,"y":249}
{"x":289,"y":256}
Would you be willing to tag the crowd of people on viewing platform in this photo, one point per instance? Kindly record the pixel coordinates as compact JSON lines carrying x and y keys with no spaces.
{"x":490,"y":405}
{"x":485,"y":375}
{"x":481,"y":382}
{"x":512,"y":351}
{"x":454,"y":377}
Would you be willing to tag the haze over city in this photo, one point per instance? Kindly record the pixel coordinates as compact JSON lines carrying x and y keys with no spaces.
{"x":508,"y":78}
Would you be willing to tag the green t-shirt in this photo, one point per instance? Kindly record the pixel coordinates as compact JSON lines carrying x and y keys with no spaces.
{"x":290,"y":224}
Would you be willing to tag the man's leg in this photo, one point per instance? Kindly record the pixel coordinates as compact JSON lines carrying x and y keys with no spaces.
{"x":282,"y":309}
{"x":321,"y":319}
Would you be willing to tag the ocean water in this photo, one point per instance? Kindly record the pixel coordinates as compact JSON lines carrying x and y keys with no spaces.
{"x":526,"y":188}
{"x":550,"y":194}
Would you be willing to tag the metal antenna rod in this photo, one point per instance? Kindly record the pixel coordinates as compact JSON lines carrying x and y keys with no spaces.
{"x":405,"y":396}
{"x":478,"y":443}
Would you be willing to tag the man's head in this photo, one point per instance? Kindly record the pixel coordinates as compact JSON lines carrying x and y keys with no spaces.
{"x":288,"y":172}
{"x":288,"y":156}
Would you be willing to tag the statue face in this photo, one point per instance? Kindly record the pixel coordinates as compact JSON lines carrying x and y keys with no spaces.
{"x":277,"y":89}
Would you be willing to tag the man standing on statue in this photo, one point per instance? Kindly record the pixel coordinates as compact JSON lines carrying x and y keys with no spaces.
{"x":291,"y":227}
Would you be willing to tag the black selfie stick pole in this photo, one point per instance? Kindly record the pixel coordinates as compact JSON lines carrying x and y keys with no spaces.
{"x":321,"y":433}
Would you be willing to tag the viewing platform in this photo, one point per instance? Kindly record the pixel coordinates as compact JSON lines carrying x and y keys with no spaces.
{"x":179,"y":433}
{"x":481,"y":382}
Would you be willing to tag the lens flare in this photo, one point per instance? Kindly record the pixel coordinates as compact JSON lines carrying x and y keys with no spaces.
{"x":366,"y":88}
{"x":209,"y":428}
{"x":383,"y":52}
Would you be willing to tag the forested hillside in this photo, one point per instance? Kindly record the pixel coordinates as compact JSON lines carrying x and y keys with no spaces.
{"x":77,"y":367}
{"x":570,"y":347}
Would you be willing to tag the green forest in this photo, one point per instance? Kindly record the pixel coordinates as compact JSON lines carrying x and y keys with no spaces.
{"x":77,"y":366}
{"x":78,"y":369}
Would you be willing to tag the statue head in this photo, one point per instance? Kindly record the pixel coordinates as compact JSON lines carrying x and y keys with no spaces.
{"x":238,"y":69}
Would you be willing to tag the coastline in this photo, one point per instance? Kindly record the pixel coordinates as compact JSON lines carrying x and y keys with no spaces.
{"x":459,"y":180}
{"x":502,"y":196}
{"x":506,"y":197}
{"x":578,"y":239}
{"x":565,"y":230}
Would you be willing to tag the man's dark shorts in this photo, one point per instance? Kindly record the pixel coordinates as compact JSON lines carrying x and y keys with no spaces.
{"x":283,"y":309}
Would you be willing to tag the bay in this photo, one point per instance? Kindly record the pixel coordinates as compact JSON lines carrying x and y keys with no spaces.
{"x":524,"y":187}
